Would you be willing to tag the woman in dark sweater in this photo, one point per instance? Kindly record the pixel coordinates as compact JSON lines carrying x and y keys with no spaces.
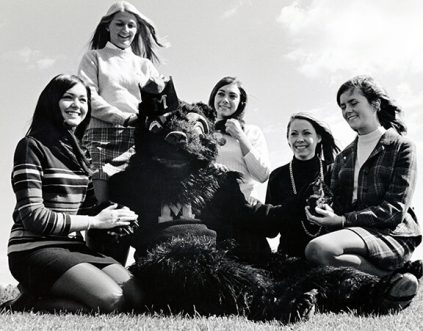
{"x":310,"y":140}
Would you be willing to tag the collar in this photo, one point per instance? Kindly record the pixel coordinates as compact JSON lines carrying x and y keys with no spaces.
{"x":112,"y":46}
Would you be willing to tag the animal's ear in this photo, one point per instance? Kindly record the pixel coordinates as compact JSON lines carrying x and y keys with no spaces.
{"x":207,"y":111}
{"x":158,"y":97}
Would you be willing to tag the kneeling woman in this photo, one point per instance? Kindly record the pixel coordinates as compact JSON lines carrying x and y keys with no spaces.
{"x":51,"y":181}
{"x":373,"y":179}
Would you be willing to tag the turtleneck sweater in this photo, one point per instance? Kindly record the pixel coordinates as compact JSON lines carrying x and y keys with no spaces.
{"x":254,"y":166}
{"x":114,"y":76}
{"x":280,"y":192}
{"x":365,"y":145}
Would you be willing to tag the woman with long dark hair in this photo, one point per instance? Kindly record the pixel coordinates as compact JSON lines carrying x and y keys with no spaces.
{"x":51,"y":179}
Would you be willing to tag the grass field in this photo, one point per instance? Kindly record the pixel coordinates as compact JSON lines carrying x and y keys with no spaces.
{"x":409,"y":319}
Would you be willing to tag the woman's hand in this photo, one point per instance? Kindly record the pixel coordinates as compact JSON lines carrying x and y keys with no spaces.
{"x":112,"y":217}
{"x":328,"y":217}
{"x":234,"y":129}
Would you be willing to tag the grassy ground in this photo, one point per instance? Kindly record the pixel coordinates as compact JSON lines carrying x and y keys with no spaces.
{"x":409,"y":319}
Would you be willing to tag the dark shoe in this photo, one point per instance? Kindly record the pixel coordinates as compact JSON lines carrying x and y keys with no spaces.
{"x":413,"y":267}
{"x":23,"y":302}
{"x":402,"y":289}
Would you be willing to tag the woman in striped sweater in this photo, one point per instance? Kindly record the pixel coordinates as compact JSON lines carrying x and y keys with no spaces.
{"x":53,"y":188}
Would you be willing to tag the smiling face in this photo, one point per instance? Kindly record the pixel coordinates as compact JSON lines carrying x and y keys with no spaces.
{"x":303,"y":139}
{"x":226,"y":101}
{"x":73,"y":105}
{"x":358,"y":112}
{"x":122,"y":29}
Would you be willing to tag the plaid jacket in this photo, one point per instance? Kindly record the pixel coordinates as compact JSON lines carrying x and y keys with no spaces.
{"x":385,"y":186}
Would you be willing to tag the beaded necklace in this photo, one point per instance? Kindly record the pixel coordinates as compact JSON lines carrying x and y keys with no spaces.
{"x":294,"y":189}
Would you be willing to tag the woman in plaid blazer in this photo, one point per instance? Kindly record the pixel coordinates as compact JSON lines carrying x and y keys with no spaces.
{"x":373,"y":227}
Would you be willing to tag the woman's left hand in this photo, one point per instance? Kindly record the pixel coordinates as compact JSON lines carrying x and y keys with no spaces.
{"x":328,"y":217}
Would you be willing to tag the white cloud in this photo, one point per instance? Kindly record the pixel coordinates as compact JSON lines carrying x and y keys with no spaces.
{"x":354,"y":36}
{"x":230,"y":12}
{"x":45,"y":63}
{"x":31,"y":57}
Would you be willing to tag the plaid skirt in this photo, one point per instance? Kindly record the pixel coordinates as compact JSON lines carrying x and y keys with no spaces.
{"x":105,"y":144}
{"x":385,"y":251}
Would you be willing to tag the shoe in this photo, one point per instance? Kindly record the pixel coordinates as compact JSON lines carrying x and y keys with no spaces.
{"x":23,"y":302}
{"x":401,"y":291}
{"x":413,"y":267}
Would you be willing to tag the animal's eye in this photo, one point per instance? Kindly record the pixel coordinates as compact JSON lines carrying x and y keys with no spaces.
{"x":154,"y":127}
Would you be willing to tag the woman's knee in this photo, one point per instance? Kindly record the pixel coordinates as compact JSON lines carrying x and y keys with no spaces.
{"x":319,"y":252}
{"x":109,"y":301}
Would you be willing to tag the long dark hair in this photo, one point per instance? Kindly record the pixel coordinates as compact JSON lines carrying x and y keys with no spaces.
{"x":239,"y":113}
{"x":47,"y":118}
{"x":47,"y":113}
{"x":389,"y":112}
{"x":327,"y":147}
{"x":145,"y":40}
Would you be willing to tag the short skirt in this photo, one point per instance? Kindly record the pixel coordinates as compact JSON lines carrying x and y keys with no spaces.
{"x":37,"y":270}
{"x":385,"y":251}
{"x":105,"y":144}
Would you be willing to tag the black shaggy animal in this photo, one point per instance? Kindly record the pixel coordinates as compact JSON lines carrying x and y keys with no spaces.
{"x":197,"y":244}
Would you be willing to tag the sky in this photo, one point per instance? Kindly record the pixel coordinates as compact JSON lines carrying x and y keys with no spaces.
{"x":290,"y":55}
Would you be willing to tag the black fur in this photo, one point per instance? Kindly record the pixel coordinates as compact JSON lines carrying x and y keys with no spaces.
{"x":187,"y":265}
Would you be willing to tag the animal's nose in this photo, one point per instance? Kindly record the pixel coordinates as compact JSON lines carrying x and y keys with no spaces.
{"x":176,"y":138}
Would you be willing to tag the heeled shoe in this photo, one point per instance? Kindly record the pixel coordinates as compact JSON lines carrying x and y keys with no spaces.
{"x":401,"y":291}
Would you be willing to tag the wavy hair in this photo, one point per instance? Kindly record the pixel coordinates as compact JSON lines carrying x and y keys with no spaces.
{"x":389,"y":112}
{"x":327,"y":147}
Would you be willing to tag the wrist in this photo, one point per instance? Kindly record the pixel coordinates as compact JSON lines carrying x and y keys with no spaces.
{"x":343,"y":219}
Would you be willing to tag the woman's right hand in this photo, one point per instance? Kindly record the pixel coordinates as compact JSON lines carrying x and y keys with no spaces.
{"x":112,"y":217}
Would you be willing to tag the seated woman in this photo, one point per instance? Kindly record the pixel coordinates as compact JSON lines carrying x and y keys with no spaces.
{"x":310,"y":141}
{"x":242,"y":147}
{"x":374,"y":228}
{"x":51,"y":181}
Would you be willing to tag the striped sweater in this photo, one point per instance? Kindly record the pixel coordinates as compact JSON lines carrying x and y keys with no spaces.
{"x":50,"y":185}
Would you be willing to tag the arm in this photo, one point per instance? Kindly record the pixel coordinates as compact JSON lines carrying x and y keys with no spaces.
{"x":398,"y":195}
{"x":27,"y":182}
{"x":100,"y":108}
{"x":391,"y":208}
{"x":253,"y":148}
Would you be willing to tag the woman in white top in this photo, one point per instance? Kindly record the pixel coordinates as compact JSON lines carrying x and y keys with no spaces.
{"x":242,"y":147}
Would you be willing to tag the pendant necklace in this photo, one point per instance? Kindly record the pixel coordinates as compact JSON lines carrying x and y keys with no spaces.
{"x":294,"y":189}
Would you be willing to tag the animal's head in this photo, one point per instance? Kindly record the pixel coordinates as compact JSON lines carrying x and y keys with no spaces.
{"x":173,"y":133}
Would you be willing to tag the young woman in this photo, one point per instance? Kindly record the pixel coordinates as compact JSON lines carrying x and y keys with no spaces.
{"x":374,"y":227}
{"x":242,"y":147}
{"x":314,"y":149}
{"x":51,"y":181}
{"x":118,"y":63}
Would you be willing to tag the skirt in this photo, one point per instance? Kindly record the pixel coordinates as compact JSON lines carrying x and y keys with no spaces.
{"x":37,"y":270}
{"x":106,"y":144}
{"x":385,"y":251}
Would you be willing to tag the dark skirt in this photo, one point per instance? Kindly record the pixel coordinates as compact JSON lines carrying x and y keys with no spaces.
{"x":37,"y":270}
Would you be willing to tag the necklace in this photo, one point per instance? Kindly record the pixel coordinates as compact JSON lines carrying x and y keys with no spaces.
{"x":294,"y":189}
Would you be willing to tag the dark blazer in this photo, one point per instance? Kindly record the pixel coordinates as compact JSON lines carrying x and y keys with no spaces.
{"x":385,"y":186}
